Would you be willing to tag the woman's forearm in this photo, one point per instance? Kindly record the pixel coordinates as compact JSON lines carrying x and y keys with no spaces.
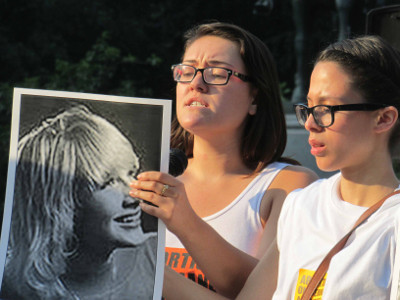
{"x":225,"y":266}
{"x":177,"y":287}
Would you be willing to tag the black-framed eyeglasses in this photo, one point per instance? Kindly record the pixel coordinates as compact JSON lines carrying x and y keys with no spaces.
{"x":210,"y":75}
{"x":324,"y":115}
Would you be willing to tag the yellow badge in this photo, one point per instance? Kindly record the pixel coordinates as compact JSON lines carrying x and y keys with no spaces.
{"x":304,"y":280}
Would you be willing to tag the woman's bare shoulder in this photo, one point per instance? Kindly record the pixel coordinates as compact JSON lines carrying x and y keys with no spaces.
{"x":287,"y":180}
{"x":294,"y":177}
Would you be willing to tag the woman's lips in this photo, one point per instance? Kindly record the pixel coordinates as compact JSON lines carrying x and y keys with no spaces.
{"x":196,"y":102}
{"x":316,"y":147}
{"x":132,"y":219}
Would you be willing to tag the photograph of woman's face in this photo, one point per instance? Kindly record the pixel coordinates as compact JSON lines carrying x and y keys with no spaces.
{"x":109,"y":218}
{"x":74,"y":228}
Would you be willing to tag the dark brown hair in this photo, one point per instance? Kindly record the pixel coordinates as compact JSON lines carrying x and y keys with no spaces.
{"x":264,"y":136}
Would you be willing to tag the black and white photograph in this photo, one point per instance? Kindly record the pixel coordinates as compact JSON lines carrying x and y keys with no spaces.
{"x":70,"y":229}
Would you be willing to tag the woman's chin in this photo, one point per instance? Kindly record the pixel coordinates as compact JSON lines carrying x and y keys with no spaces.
{"x":192,"y":122}
{"x":133,"y":239}
{"x":325,"y":165}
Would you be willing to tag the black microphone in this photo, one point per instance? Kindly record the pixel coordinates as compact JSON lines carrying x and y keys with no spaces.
{"x":177,"y":162}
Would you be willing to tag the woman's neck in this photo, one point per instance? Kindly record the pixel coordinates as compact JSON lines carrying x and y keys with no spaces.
{"x":367,"y":184}
{"x":87,"y":277}
{"x":86,"y":263}
{"x":217,"y":158}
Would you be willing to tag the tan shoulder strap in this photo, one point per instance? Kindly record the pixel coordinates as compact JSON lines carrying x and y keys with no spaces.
{"x":323,"y":267}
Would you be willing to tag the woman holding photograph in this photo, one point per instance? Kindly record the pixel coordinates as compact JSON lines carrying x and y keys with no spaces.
{"x":231,"y":125}
{"x":75,"y":232}
{"x":352,"y":118}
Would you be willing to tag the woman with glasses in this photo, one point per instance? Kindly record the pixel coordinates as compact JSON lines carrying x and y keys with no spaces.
{"x":352,"y":118}
{"x":231,"y":125}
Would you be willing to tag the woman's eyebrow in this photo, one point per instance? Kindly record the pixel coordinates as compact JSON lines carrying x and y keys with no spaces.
{"x":320,"y":101}
{"x":218,"y":62}
{"x":210,"y":62}
{"x":190,"y":61}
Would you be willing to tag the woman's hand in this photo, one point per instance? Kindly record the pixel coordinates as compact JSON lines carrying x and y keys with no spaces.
{"x":169,"y":197}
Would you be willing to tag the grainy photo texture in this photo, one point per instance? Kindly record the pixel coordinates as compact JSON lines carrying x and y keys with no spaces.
{"x":70,"y":229}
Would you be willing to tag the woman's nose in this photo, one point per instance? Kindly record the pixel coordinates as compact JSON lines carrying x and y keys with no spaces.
{"x":198,"y":84}
{"x":311,"y":125}
{"x":130,"y":202}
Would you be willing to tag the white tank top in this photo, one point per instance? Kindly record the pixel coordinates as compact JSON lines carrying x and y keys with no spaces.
{"x":239,"y":223}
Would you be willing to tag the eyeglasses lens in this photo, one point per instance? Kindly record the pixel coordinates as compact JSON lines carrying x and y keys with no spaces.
{"x":322,"y":115}
{"x":216,"y":75}
{"x":301,"y":114}
{"x":183,"y":73}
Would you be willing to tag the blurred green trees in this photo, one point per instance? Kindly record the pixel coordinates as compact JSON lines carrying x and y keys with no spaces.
{"x":126,"y":47}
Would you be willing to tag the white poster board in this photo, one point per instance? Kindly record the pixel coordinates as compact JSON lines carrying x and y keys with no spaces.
{"x":70,"y":229}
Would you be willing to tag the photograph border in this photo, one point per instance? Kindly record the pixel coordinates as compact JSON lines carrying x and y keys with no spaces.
{"x":166,"y":104}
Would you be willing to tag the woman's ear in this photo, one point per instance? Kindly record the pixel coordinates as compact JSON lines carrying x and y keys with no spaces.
{"x":253,"y":105}
{"x":252,"y":109}
{"x":386,"y":119}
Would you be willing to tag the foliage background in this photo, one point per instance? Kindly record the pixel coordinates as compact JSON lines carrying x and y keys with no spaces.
{"x":126,"y":47}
